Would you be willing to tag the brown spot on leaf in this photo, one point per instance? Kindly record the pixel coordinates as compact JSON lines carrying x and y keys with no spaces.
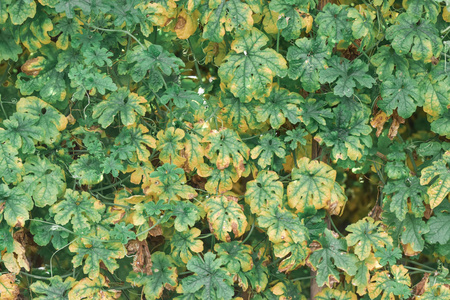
{"x":181,"y":22}
{"x":142,"y":260}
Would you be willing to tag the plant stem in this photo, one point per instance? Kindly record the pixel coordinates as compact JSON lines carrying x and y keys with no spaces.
{"x":117,"y":30}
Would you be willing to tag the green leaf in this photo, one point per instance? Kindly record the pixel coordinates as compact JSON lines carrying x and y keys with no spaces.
{"x":407,"y":195}
{"x":367,"y":235}
{"x":213,"y":280}
{"x":388,"y":255}
{"x":281,"y":104}
{"x":123,"y":233}
{"x":282,"y":225}
{"x":154,"y":60}
{"x":164,"y":276}
{"x":87,"y":170}
{"x":43,"y":233}
{"x":224,"y":16}
{"x":6,"y":238}
{"x":171,"y":184}
{"x":396,"y":170}
{"x":390,"y":286}
{"x":80,"y":208}
{"x":225,"y":215}
{"x":306,"y":59}
{"x":20,"y":10}
{"x":20,"y":129}
{"x":57,"y":289}
{"x":333,"y":23}
{"x":416,"y":35}
{"x":9,"y":47}
{"x":90,"y":252}
{"x":269,"y":148}
{"x":11,"y":168}
{"x":348,"y":75}
{"x":44,"y":181}
{"x":418,"y":7}
{"x":311,"y":185}
{"x":98,"y":56}
{"x":225,"y":147}
{"x":181,"y":97}
{"x":441,"y":126}
{"x":413,"y":231}
{"x":186,"y":215}
{"x":127,"y":104}
{"x":15,"y":205}
{"x":363,"y":25}
{"x":400,"y":93}
{"x":440,"y":187}
{"x":296,"y":136}
{"x":439,"y":226}
{"x":50,"y":122}
{"x":248,"y":70}
{"x":332,"y":254}
{"x":313,"y":114}
{"x":386,"y":60}
{"x":184,"y":244}
{"x":264,"y":191}
{"x":235,"y":256}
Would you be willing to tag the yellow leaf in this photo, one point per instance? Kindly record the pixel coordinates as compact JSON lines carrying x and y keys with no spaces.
{"x":9,"y":290}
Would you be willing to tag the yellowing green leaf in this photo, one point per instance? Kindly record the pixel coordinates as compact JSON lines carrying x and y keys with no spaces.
{"x":312,"y":184}
{"x":90,"y":252}
{"x":416,"y":35}
{"x":51,"y":121}
{"x":225,"y":215}
{"x":264,"y":191}
{"x":235,"y":255}
{"x":225,"y":147}
{"x":362,"y":276}
{"x":224,"y":16}
{"x":334,"y":294}
{"x":184,"y":244}
{"x":248,"y":71}
{"x":11,"y":168}
{"x":282,"y":225}
{"x":367,"y":235}
{"x":15,"y":205}
{"x":164,"y":275}
{"x":87,"y":169}
{"x":79,"y":208}
{"x":390,"y":286}
{"x":134,"y":138}
{"x":221,"y":180}
{"x":170,"y":184}
{"x":293,"y":254}
{"x":44,"y":181}
{"x":169,"y":146}
{"x":440,"y":188}
{"x":96,"y":289}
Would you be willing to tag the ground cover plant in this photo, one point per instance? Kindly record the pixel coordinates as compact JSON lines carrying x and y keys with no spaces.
{"x":224,"y":149}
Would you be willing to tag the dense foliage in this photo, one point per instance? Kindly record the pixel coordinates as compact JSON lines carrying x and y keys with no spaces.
{"x":224,"y":149}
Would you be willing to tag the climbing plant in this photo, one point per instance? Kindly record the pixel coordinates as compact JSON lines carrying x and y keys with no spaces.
{"x":224,"y":149}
